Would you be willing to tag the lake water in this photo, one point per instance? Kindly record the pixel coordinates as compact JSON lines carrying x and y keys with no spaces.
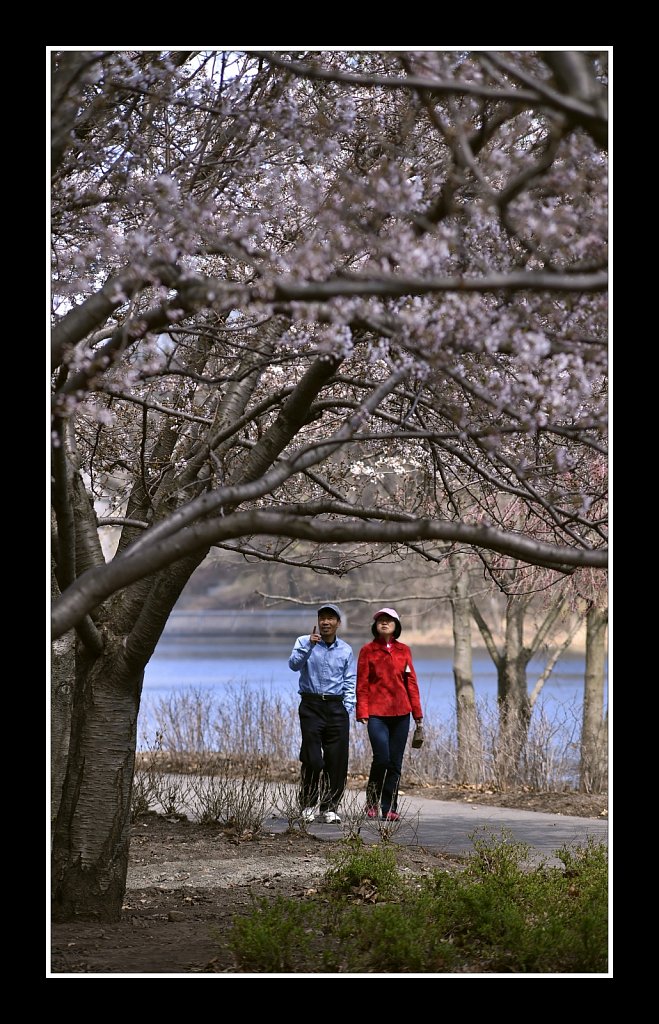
{"x":264,"y":666}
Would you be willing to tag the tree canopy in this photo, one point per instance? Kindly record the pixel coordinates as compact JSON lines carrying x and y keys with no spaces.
{"x":338,"y":296}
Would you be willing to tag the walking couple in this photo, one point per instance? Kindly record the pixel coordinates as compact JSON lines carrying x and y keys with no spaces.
{"x":384,"y":691}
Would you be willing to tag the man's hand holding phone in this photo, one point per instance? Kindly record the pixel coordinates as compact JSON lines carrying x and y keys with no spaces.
{"x":314,"y":636}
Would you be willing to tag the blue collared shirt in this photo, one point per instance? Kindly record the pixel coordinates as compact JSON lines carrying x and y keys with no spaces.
{"x":326,"y":668}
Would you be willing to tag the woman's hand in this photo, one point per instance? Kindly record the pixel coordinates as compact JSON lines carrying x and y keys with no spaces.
{"x":362,"y":721}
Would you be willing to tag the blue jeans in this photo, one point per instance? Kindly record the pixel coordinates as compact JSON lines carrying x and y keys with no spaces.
{"x":388,"y":737}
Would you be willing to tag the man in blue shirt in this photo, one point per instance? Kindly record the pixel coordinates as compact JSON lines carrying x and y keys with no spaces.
{"x":327,"y":698}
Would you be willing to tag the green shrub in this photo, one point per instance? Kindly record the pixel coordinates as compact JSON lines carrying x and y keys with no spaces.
{"x":497,"y":915}
{"x":399,"y":938}
{"x":357,"y":868}
{"x":271,"y":938}
{"x":529,"y":920}
{"x":496,"y":853}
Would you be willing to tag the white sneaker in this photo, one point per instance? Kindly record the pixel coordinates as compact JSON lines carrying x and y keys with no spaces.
{"x":331,"y":818}
{"x":308,"y":815}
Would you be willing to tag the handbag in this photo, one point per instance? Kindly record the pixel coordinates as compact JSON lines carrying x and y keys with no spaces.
{"x":417,"y":739}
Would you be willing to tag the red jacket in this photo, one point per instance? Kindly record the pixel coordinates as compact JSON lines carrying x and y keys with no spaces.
{"x":383,"y":687}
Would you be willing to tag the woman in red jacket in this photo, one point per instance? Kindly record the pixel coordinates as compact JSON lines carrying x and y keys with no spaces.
{"x":387,"y":692}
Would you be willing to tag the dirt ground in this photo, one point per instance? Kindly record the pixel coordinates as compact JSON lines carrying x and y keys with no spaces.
{"x":187,"y":882}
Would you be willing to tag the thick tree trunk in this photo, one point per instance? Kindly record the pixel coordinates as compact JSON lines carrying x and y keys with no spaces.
{"x":90,"y":835}
{"x":90,"y":838}
{"x":465,"y":697}
{"x":594,"y":740}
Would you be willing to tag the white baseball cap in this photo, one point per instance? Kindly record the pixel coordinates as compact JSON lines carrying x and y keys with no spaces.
{"x":391,"y":612}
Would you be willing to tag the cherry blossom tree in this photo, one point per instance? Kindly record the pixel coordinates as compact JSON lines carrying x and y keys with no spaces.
{"x":278,"y":277}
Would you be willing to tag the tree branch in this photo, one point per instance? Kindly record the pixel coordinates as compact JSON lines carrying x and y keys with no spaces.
{"x":231,"y":496}
{"x":394,"y":287}
{"x":545,"y":626}
{"x":486,"y":633}
{"x":125,"y":396}
{"x":95,"y":310}
{"x":116,"y":521}
{"x":540,"y":94}
{"x":354,"y":600}
{"x":549,"y":667}
{"x":97,"y":584}
{"x":63,"y":508}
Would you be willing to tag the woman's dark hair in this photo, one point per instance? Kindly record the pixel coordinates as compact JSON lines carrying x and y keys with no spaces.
{"x":397,"y":631}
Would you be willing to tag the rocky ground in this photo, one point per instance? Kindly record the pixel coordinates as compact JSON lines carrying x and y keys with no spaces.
{"x":187,"y":882}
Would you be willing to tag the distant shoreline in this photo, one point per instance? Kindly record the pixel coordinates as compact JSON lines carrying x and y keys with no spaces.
{"x":282,"y":625}
{"x":443,"y":637}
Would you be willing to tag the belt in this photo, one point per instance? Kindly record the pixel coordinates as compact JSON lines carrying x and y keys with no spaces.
{"x":321,"y":696}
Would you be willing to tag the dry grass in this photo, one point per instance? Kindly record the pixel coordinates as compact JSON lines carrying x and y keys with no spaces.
{"x":250,"y":733}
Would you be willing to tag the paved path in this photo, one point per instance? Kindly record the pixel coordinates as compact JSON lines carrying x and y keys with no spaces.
{"x":447,"y":825}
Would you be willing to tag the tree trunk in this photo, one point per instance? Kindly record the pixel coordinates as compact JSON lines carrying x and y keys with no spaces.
{"x":465,"y":698}
{"x":91,"y":830}
{"x":90,"y":840}
{"x":594,"y":752}
{"x":512,"y":696}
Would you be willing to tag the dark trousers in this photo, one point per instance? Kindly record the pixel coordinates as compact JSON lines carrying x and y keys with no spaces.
{"x":325,"y":727}
{"x":388,"y":737}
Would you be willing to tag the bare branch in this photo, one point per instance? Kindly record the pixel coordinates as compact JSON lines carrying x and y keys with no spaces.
{"x":307,"y":455}
{"x":546,"y":625}
{"x":549,"y":667}
{"x":248,"y":550}
{"x":125,"y":396}
{"x":117,"y":521}
{"x":354,"y":600}
{"x":486,"y":633}
{"x":97,"y":584}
